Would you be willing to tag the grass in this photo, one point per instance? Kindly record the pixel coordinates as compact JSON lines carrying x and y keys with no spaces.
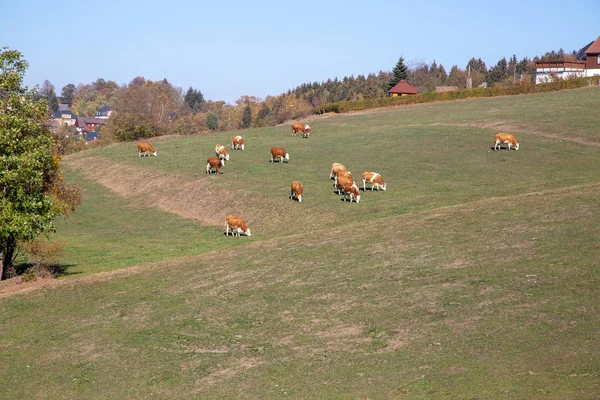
{"x":474,"y":275}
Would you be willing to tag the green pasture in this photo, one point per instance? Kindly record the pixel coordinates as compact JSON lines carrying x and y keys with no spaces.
{"x":474,"y":276}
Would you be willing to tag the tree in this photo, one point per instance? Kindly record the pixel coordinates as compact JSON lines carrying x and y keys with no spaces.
{"x":48,"y":93}
{"x":32,"y":189}
{"x":400,"y":72}
{"x":67,"y":94}
{"x":212,"y":121}
{"x":246,"y":117}
{"x":194,"y":99}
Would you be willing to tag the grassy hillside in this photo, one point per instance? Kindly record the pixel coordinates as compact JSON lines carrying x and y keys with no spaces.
{"x":474,"y":275}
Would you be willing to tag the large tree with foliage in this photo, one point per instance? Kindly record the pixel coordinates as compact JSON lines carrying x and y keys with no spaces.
{"x":32,"y":190}
{"x":400,"y":72}
{"x":67,"y":94}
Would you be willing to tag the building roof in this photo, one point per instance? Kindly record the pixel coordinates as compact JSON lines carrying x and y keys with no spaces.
{"x":60,"y":113}
{"x":89,"y":136}
{"x":594,"y":47}
{"x":403,"y":87}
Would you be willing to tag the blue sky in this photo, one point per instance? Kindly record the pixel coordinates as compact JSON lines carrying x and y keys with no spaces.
{"x":231,"y":48}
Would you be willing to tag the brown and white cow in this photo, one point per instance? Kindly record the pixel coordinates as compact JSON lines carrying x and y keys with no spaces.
{"x":335,"y":167}
{"x":303,"y":130}
{"x":237,"y":143}
{"x":146,"y":149}
{"x":342,"y":181}
{"x":351,"y":192}
{"x":214,"y":162}
{"x":221,"y":152}
{"x":340,"y":174}
{"x":506,"y":138}
{"x":374,"y":179}
{"x":279,"y":152}
{"x":296,"y":191}
{"x":236,"y":225}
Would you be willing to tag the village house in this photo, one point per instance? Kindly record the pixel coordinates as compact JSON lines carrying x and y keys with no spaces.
{"x":104,"y":113}
{"x":65,"y":117}
{"x":402,"y":88}
{"x":85,"y":124}
{"x":587,"y":64}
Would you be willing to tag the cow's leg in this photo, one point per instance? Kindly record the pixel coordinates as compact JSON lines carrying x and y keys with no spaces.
{"x":271,"y":158}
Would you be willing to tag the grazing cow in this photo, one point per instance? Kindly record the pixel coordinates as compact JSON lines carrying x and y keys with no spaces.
{"x":300,"y":129}
{"x":296,"y":191}
{"x":342,"y":173}
{"x":279,"y":152}
{"x":335,"y":167}
{"x":237,"y":143}
{"x":214,"y":162}
{"x":221,"y":152}
{"x":374,"y":179}
{"x":507,"y":138}
{"x":236,"y":225}
{"x":146,"y":149}
{"x":351,"y":192}
{"x":343,"y":181}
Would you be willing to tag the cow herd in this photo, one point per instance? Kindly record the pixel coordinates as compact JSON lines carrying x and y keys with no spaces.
{"x":344,"y":184}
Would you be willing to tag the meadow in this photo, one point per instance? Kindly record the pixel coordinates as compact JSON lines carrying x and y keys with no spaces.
{"x":474,"y":275}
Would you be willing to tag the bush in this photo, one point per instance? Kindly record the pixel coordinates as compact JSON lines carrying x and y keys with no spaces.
{"x":522,"y":88}
{"x":43,"y":257}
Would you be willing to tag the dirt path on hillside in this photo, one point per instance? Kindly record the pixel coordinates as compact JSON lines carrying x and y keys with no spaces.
{"x":198,"y":200}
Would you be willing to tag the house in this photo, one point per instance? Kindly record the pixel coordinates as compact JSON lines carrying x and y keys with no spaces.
{"x":587,"y":64}
{"x":91,"y":136}
{"x":85,"y":124}
{"x":65,"y":117}
{"x":402,"y":88}
{"x":104,"y":112}
{"x":592,"y":58}
{"x":545,"y":71}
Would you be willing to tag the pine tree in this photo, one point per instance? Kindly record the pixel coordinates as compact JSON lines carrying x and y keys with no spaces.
{"x":246,"y":117}
{"x":400,"y":72}
{"x":194,"y":99}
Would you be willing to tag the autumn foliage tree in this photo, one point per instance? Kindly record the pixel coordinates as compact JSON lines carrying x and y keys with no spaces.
{"x":32,"y":189}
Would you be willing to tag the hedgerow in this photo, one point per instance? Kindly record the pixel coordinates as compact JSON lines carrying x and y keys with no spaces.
{"x":429,"y":97}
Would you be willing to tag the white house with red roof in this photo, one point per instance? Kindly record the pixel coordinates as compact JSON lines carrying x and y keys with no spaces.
{"x":588,"y":64}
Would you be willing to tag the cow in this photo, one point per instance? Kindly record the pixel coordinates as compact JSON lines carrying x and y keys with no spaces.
{"x":342,"y":173}
{"x":237,"y":143}
{"x":236,"y":225}
{"x":343,"y":181}
{"x":303,"y":130}
{"x":214,"y":162}
{"x":374,"y":179}
{"x":507,"y":138}
{"x":335,"y":167}
{"x":350,"y":191}
{"x":146,"y":149}
{"x":296,"y":191}
{"x":221,"y":152}
{"x":279,"y":152}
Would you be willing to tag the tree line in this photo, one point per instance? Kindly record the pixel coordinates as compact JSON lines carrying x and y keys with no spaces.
{"x":145,"y":108}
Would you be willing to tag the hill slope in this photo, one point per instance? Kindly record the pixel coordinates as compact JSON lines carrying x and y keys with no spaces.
{"x":473,"y":275}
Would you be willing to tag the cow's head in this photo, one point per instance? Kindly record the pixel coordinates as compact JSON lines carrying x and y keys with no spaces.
{"x":222,"y":162}
{"x":242,"y":146}
{"x":227,"y":157}
{"x":517,"y":146}
{"x":155,"y":153}
{"x":248,"y":232}
{"x":287,"y":156}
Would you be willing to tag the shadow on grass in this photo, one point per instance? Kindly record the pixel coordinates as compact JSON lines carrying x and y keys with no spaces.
{"x":58,"y":270}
